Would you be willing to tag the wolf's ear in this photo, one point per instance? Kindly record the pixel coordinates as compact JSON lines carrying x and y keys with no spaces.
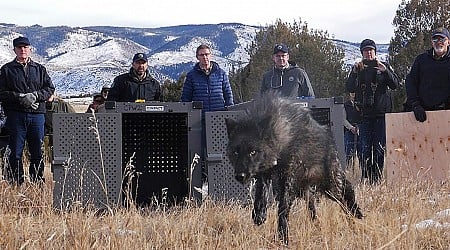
{"x":231,"y":125}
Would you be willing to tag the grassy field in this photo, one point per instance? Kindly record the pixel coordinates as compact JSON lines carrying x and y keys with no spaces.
{"x":407,"y":215}
{"x":397,"y":216}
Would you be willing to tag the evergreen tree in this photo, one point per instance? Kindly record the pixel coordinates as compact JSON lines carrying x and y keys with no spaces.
{"x":310,"y":49}
{"x":172,"y":90}
{"x":414,"y":22}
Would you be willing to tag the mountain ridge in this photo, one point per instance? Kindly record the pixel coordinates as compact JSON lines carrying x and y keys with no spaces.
{"x":80,"y":60}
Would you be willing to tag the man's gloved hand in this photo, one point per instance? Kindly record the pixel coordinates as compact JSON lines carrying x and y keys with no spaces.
{"x":35,"y":105}
{"x":419,"y":113}
{"x":27,"y":99}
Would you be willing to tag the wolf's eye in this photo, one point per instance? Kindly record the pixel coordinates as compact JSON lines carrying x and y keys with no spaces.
{"x":253,"y":153}
{"x":235,"y":153}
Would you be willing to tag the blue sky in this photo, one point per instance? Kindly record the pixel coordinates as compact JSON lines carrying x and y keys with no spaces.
{"x":352,"y":20}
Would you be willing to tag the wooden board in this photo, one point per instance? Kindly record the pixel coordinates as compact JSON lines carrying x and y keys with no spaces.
{"x":418,"y":150}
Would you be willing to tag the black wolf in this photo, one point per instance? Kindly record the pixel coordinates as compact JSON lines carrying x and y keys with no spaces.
{"x":279,"y":141}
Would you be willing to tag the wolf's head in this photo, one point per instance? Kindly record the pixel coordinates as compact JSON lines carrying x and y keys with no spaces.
{"x":255,"y":143}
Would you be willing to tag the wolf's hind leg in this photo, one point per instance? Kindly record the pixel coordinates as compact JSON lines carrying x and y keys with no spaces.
{"x":311,"y":201}
{"x":350,"y":200}
{"x":309,"y":195}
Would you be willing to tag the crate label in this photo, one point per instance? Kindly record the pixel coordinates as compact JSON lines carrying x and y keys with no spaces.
{"x":154,"y":108}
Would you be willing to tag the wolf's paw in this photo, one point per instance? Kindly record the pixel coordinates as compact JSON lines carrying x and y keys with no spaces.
{"x":259,"y":218}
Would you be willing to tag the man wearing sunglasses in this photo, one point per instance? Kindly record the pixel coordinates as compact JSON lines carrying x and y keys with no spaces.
{"x":285,"y":76}
{"x":428,"y":82}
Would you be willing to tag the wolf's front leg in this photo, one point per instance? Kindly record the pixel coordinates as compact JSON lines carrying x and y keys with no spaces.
{"x":284,"y":206}
{"x":259,"y":213}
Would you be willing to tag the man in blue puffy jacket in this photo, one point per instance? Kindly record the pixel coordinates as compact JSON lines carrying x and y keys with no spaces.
{"x":24,"y":88}
{"x":207,"y":83}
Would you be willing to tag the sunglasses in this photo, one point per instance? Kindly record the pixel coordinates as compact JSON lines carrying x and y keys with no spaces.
{"x":438,"y":39}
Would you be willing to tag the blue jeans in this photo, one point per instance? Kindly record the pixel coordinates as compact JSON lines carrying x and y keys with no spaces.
{"x":27,"y":127}
{"x":352,"y":146}
{"x":372,"y":133}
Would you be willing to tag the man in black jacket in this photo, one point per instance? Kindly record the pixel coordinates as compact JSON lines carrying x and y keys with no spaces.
{"x":428,"y":82}
{"x":370,"y":79}
{"x":24,"y":88}
{"x":137,"y":85}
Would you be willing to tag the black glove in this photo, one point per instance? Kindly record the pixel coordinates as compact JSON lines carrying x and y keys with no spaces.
{"x":419,"y":113}
{"x":27,"y":99}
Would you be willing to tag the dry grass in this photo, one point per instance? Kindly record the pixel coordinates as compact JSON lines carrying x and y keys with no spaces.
{"x":393,"y":211}
{"x":395,"y":215}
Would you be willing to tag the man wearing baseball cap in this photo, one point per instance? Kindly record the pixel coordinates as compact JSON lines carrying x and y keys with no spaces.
{"x":21,"y":41}
{"x":24,"y":88}
{"x":285,"y":76}
{"x":427,"y":84}
{"x":137,"y":85}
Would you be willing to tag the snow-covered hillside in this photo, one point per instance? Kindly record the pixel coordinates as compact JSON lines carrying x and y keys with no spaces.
{"x":81,"y":60}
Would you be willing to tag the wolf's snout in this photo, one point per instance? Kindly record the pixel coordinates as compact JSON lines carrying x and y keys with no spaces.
{"x":240,"y":177}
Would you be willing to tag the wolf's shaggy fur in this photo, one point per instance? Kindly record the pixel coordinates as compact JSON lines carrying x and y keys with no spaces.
{"x":279,"y":141}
